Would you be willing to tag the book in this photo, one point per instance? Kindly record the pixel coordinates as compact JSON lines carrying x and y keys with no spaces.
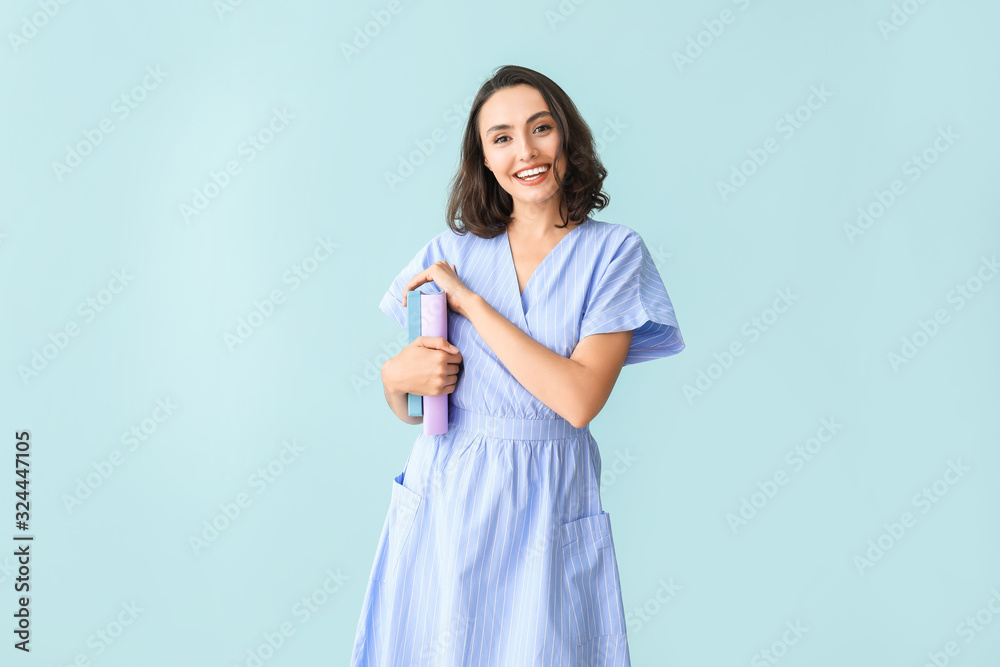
{"x":434,"y":322}
{"x":414,"y":402}
{"x":427,"y":315}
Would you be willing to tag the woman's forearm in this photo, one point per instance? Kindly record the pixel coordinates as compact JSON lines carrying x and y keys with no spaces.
{"x":397,"y":400}
{"x":555,"y":380}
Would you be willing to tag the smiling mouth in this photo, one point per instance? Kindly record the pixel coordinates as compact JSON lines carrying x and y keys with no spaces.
{"x":534,"y":176}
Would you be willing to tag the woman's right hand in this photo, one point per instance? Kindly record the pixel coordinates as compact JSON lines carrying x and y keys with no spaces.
{"x":428,"y":366}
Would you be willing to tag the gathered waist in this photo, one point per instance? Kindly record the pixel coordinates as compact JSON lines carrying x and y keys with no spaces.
{"x":513,"y":428}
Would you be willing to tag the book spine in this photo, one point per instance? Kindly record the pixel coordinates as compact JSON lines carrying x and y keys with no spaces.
{"x":414,"y":402}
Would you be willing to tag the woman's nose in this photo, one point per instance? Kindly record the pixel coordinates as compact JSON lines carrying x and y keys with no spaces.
{"x":527,"y":149}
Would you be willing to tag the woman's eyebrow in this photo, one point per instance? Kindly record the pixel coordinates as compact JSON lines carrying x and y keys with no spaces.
{"x":535,"y":116}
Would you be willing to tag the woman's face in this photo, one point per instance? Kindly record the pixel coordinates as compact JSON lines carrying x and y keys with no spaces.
{"x":518,"y":133}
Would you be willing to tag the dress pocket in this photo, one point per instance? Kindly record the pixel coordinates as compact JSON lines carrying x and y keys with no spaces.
{"x":591,"y":568}
{"x":403,"y":506}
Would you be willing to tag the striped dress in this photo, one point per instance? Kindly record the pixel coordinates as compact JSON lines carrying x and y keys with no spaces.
{"x":495,"y":549}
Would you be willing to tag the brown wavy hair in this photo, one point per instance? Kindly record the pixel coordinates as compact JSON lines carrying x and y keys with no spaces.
{"x":477,"y":200}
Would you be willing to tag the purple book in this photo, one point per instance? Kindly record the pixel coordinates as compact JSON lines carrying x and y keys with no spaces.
{"x":434,"y":322}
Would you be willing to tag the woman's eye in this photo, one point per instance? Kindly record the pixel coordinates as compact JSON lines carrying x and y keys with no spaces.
{"x":504,"y":136}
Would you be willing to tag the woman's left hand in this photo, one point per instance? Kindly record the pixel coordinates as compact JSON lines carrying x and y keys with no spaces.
{"x":444,"y":275}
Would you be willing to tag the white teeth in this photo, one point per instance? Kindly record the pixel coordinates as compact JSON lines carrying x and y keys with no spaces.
{"x":531,"y":172}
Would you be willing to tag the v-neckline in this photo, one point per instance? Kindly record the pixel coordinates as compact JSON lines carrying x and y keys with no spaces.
{"x":529,"y":282}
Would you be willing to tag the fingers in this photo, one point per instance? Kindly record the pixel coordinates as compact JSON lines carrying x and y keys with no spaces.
{"x":406,"y":291}
{"x":442,"y":385}
{"x":438,"y":343}
{"x":415,"y":282}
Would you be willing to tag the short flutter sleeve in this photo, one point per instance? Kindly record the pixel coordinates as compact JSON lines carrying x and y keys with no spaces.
{"x":392,"y":301}
{"x":629,"y":295}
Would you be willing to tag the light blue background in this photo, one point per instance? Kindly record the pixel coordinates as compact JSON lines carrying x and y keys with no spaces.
{"x":309,"y":373}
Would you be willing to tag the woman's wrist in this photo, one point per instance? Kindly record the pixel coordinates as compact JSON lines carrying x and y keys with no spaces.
{"x":389,"y":378}
{"x":472,"y":305}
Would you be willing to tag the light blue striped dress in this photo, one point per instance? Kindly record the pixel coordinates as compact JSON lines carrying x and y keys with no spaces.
{"x":495,"y":549}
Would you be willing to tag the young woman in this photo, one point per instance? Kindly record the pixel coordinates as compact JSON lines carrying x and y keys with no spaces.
{"x":495,"y":549}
